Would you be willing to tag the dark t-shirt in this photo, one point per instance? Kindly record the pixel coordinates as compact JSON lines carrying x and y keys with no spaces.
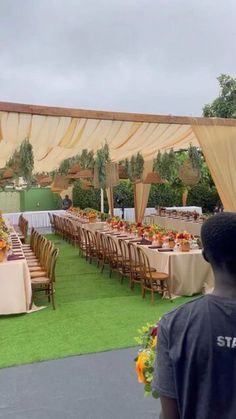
{"x":66,"y":203}
{"x":196,"y":358}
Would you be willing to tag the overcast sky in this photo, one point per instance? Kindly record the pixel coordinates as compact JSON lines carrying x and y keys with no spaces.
{"x":148,"y":56}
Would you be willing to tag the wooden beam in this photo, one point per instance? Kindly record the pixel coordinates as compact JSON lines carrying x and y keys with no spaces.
{"x":114,"y":116}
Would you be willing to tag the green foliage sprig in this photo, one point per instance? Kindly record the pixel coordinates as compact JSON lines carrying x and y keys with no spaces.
{"x":134,"y":167}
{"x":195,"y":157}
{"x":167,"y":165}
{"x":102,"y":157}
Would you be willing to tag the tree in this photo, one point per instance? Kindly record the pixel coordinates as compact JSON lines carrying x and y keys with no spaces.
{"x":26,"y":160}
{"x":224,"y":106}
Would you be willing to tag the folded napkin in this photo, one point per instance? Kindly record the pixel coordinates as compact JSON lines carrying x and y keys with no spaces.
{"x":165,"y":250}
{"x":15,"y":257}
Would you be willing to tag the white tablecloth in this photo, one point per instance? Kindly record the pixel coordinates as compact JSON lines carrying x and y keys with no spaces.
{"x":190,"y":209}
{"x":129,"y":214}
{"x":35,"y":218}
{"x":188,"y":272}
{"x":178,"y":224}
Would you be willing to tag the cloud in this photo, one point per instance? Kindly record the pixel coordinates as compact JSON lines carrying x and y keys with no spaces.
{"x":149,"y":56}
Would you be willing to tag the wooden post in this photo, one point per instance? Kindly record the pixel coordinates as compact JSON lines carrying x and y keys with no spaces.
{"x":111,"y":201}
{"x":135,"y":202}
{"x":102,"y":200}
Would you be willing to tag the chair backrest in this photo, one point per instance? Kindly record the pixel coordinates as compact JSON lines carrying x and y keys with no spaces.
{"x":104,"y":244}
{"x":133,"y":256}
{"x":112,"y":246}
{"x":124,"y":250}
{"x":144,"y":263}
{"x":52,"y":263}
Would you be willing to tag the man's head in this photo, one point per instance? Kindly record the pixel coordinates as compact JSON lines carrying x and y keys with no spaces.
{"x":67,"y":197}
{"x":218,"y":238}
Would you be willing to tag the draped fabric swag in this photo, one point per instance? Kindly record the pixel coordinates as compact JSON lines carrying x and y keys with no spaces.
{"x":219,"y":148}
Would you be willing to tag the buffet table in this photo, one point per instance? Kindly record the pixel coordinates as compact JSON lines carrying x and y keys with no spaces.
{"x":36,"y":219}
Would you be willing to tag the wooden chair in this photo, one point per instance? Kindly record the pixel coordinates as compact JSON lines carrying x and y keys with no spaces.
{"x":81,"y":241}
{"x":46,"y":283}
{"x":105,"y":251}
{"x":152,"y":280}
{"x":125,"y":262}
{"x":135,"y":274}
{"x":90,"y":245}
{"x":113,"y":254}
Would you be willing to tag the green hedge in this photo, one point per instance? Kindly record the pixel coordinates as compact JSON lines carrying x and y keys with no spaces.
{"x":203,"y":196}
{"x":163,"y":195}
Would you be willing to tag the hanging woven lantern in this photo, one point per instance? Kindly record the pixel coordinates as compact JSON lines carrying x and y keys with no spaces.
{"x":153,"y":177}
{"x":122,"y":172}
{"x":74,"y":169}
{"x":86,"y":173}
{"x":60,"y":182}
{"x":45,"y":181}
{"x":188,"y":174}
{"x":112,"y":174}
{"x":8,"y":174}
{"x":96,"y":182}
{"x":86,"y":184}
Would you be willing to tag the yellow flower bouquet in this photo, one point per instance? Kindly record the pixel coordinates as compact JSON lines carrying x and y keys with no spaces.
{"x":144,"y":362}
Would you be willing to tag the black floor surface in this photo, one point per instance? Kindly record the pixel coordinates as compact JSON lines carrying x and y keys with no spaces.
{"x":96,"y":386}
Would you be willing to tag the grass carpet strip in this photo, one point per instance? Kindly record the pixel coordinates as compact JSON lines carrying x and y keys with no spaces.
{"x":93,"y":313}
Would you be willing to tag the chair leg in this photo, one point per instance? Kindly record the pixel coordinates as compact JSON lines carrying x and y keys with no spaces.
{"x":168,"y":291}
{"x":52,"y":295}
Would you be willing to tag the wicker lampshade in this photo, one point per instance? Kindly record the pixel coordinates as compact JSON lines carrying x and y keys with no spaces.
{"x":188,"y":174}
{"x":86,"y":184}
{"x":74,"y":169}
{"x":86,"y":173}
{"x":8,"y":174}
{"x":153,"y":177}
{"x":45,"y":181}
{"x":122,"y":172}
{"x":60,"y":182}
{"x":112,"y":174}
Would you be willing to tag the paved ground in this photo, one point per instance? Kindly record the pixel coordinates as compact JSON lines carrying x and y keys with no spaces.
{"x":96,"y":386}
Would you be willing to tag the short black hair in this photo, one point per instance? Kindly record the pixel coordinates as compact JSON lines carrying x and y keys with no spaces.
{"x":218,"y":236}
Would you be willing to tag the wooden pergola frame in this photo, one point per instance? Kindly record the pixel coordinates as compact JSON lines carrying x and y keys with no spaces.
{"x":114,"y":116}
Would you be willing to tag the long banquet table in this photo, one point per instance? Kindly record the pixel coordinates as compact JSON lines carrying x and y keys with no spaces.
{"x":192,"y":227}
{"x":15,"y":284}
{"x":188,"y":272}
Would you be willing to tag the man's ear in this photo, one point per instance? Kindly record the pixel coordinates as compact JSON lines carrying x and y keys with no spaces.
{"x":204,"y":256}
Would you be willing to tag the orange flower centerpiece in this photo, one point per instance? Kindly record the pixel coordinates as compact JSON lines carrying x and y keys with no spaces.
{"x":144,"y":362}
{"x":184,"y":241}
{"x":3,"y":249}
{"x":4,"y":239}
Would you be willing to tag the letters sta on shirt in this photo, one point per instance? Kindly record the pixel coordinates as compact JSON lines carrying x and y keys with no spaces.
{"x":226,"y":341}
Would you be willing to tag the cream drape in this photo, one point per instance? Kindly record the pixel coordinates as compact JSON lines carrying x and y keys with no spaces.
{"x":55,"y":138}
{"x":141,"y":193}
{"x":109,"y":192}
{"x":219,"y":148}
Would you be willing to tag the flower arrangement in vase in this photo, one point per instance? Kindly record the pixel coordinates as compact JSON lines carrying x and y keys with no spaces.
{"x":184,"y":241}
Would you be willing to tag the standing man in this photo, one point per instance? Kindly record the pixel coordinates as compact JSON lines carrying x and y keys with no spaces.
{"x":195,"y":371}
{"x":66,"y":203}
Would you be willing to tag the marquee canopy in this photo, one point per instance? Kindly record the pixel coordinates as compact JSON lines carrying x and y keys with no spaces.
{"x":58,"y":133}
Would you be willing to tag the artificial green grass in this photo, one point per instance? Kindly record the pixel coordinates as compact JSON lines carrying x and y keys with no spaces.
{"x":93,"y":313}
